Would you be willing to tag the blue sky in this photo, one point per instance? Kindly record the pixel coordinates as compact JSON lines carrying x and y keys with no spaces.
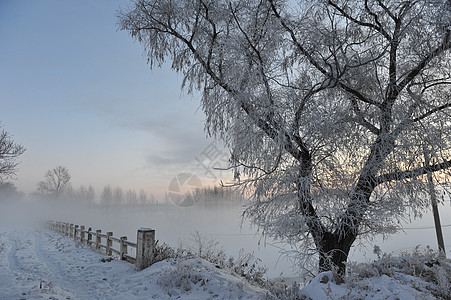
{"x":76,"y":92}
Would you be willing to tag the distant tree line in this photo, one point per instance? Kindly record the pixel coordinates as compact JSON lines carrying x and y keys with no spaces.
{"x":116,"y":196}
{"x":8,"y":191}
{"x":214,"y":195}
{"x":57,"y":186}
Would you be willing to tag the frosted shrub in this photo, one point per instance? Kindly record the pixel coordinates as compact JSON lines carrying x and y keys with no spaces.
{"x":245,"y":265}
{"x":182,"y":278}
{"x":163,"y":251}
{"x":282,"y":291}
{"x":206,"y":247}
{"x":426,"y":270}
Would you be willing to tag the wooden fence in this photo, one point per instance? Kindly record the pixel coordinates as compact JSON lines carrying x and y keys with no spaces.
{"x":145,"y":242}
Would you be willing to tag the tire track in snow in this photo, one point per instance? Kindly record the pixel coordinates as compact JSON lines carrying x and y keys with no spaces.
{"x":19,"y":275}
{"x":27,"y":275}
{"x":56,"y":276}
{"x":6,"y":280}
{"x":66,"y":271}
{"x":84,"y":276}
{"x":37,"y":264}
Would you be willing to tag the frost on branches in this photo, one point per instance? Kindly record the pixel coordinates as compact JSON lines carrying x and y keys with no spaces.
{"x":327,"y":107}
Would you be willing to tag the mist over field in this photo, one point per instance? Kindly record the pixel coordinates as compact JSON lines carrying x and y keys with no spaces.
{"x":219,"y":224}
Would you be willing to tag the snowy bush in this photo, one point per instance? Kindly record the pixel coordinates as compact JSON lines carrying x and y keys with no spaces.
{"x":281,"y":291}
{"x":246,"y":264}
{"x":180,"y":279}
{"x":163,"y":251}
{"x":425,"y":270}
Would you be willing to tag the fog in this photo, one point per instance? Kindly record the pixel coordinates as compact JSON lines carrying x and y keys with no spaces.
{"x":220,"y":222}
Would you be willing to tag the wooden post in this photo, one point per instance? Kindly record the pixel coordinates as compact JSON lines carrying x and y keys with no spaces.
{"x":82,"y":233}
{"x":98,"y":238}
{"x":71,"y":230}
{"x":438,"y":225}
{"x":109,"y":243}
{"x":66,"y":229}
{"x":89,"y":240}
{"x":145,"y":248}
{"x":75,"y":232}
{"x":123,"y":247}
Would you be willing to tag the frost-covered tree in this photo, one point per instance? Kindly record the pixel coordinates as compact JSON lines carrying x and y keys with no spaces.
{"x":326,"y":106}
{"x":56,"y":183}
{"x":9,"y":151}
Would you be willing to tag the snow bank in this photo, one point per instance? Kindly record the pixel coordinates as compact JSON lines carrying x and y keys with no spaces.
{"x":422,"y":274}
{"x":380,"y":287}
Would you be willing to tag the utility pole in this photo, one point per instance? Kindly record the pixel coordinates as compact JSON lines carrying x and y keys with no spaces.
{"x":431,"y":187}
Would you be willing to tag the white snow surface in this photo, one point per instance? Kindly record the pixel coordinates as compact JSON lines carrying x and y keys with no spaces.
{"x":39,"y":264}
{"x":380,"y":287}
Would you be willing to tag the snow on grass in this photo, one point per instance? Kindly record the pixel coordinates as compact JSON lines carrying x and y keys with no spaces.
{"x":379,"y":287}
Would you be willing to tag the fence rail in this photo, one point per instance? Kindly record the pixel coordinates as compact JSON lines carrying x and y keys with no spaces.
{"x":145,"y":242}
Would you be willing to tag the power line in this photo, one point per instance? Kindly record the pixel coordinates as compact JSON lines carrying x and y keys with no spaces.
{"x":431,"y":227}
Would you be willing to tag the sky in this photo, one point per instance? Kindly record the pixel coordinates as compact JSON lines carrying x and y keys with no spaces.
{"x":77,"y":92}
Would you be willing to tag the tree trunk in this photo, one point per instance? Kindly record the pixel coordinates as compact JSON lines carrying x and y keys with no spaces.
{"x":333,"y":253}
{"x":334,"y":246}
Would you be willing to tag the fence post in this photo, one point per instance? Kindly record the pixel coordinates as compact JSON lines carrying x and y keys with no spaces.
{"x":109,"y":243}
{"x":98,"y":238}
{"x":145,"y":248}
{"x":82,"y":233}
{"x":123,"y":247}
{"x":89,"y":240}
{"x":71,"y":231}
{"x":75,"y":232}
{"x":66,"y":229}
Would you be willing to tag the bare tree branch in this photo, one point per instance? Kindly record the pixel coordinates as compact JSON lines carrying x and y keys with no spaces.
{"x":9,"y":152}
{"x":409,"y":174}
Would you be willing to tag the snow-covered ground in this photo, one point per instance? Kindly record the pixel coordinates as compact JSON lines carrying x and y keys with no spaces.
{"x":40,"y":264}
